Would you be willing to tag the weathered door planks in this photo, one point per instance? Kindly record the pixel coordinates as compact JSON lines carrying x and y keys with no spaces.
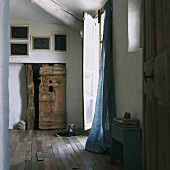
{"x":156,"y":87}
{"x":30,"y":96}
{"x":52,"y":97}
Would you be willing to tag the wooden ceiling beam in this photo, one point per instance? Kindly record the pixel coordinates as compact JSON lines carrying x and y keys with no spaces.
{"x":60,"y":12}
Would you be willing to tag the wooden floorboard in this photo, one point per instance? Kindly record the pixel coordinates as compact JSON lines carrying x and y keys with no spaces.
{"x":43,"y":150}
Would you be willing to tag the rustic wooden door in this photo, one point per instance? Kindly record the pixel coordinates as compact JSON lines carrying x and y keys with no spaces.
{"x":156,"y":116}
{"x":52,"y":97}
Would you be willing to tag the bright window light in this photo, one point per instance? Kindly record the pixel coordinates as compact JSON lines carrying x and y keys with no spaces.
{"x":134,"y":15}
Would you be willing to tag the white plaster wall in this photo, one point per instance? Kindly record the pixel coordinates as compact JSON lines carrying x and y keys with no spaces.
{"x":17,"y":94}
{"x":127,"y":65}
{"x":4,"y":107}
{"x":73,"y":60}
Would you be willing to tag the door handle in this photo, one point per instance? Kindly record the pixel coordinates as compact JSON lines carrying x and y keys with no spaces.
{"x":148,"y":76}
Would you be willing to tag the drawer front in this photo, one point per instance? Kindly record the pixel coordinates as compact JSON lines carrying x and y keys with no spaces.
{"x":117,"y":134}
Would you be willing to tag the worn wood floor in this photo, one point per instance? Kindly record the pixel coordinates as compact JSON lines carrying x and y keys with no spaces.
{"x":42,"y":150}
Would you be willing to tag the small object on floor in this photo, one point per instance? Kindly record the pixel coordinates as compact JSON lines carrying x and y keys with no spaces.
{"x":71,"y":130}
{"x":68,"y":132}
{"x":40,"y":156}
{"x":21,"y":125}
{"x":57,"y":135}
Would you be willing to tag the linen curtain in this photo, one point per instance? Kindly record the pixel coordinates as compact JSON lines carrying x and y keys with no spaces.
{"x":99,"y":138}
